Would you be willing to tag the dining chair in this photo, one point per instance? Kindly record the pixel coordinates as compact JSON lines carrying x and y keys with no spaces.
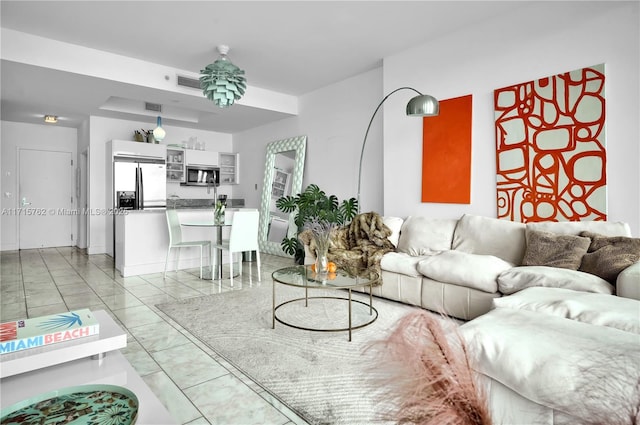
{"x":175,"y":241}
{"x":243,"y":237}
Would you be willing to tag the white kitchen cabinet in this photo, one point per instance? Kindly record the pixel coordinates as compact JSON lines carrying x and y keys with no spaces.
{"x":175,"y":165}
{"x":129,"y":148}
{"x":197,"y":157}
{"x":229,"y":168}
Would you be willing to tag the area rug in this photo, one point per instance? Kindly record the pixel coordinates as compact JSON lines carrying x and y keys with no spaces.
{"x":321,"y":376}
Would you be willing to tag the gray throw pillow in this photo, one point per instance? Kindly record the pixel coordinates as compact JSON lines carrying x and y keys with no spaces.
{"x":554,"y":250}
{"x":609,"y":255}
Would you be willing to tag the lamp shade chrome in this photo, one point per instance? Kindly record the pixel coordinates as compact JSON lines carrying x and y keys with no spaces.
{"x":423,"y":106}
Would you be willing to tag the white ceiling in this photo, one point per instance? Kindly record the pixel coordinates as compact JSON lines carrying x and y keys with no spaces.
{"x":291,"y":47}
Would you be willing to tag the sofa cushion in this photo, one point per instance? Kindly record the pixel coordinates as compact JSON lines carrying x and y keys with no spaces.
{"x":395,"y":224}
{"x":590,"y":372}
{"x":519,"y":278}
{"x":554,"y":250}
{"x":609,"y":255}
{"x":400,"y":262}
{"x":609,"y":228}
{"x":596,"y":309}
{"x":464,"y":269}
{"x":424,"y":236}
{"x":490,"y":236}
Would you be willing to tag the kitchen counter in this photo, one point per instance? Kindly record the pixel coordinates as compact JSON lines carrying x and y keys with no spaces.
{"x":201,"y":203}
{"x":142,"y":240}
{"x":145,"y":211}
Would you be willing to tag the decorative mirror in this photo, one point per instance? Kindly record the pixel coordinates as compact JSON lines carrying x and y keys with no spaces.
{"x":283,"y":168}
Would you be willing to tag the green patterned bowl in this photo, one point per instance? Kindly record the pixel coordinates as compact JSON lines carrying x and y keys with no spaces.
{"x":80,"y":405}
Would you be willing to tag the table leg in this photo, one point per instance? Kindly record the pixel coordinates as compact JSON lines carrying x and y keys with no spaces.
{"x":273,"y":307}
{"x":370,"y":300}
{"x":306,"y":297}
{"x":219,"y":236}
{"x":349,"y":314}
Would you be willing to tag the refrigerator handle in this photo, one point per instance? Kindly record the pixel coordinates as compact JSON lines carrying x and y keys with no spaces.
{"x":141,"y":190}
{"x":135,"y":199}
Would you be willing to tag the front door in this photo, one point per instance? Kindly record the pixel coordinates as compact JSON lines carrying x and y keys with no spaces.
{"x":45,"y":199}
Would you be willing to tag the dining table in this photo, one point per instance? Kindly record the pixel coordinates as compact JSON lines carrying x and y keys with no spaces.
{"x":218,"y":225}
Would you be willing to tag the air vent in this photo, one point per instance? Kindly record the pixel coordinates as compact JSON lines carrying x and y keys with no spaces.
{"x":193,"y":83}
{"x":155,"y":107}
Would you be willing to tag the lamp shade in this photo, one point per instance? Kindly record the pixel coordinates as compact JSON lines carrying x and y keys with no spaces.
{"x":158,"y":132}
{"x":423,"y":106}
{"x":223,"y":82}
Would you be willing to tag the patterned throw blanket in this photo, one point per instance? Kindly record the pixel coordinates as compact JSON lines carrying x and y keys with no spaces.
{"x":359,"y":245}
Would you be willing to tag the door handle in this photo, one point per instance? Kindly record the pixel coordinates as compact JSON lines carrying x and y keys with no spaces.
{"x":24,"y":202}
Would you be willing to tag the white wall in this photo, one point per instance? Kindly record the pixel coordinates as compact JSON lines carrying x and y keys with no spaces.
{"x":334,"y":119}
{"x":16,"y":136}
{"x":102,"y":130}
{"x":543,"y":39}
{"x":83,"y":163}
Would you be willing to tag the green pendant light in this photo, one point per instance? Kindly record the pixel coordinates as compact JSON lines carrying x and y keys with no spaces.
{"x":222,"y":82}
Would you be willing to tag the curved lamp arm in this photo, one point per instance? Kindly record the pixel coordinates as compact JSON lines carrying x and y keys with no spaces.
{"x":421,"y":105}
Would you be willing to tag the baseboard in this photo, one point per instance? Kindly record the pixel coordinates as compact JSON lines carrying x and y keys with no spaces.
{"x":138,"y":269}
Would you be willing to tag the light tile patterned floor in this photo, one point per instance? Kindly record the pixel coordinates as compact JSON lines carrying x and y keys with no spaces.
{"x":195,"y":385}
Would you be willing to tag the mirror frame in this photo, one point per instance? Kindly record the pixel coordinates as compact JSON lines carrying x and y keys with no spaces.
{"x":297,"y":144}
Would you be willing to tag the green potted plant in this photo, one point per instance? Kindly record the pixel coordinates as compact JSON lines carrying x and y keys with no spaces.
{"x":314,"y":207}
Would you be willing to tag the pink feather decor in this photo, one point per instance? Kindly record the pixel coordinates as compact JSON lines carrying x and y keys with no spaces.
{"x":428,"y":378}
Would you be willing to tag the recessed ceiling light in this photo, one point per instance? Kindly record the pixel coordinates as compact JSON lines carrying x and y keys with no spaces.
{"x":51,"y":119}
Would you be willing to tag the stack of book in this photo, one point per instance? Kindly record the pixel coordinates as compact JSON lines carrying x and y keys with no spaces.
{"x":40,"y":331}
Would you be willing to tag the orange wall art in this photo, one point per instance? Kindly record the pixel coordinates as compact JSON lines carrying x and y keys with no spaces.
{"x":446,"y":153}
{"x":550,"y":148}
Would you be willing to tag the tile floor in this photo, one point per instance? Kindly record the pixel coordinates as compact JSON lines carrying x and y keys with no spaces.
{"x":195,"y":385}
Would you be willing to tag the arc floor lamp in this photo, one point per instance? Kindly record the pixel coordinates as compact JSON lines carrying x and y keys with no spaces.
{"x":421,"y":105}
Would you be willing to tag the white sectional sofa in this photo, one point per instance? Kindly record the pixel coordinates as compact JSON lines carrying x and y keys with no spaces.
{"x":552,"y":344}
{"x":551,"y":310}
{"x":459,"y":266}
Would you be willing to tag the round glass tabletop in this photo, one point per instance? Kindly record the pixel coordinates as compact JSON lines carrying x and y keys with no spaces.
{"x":304,"y":277}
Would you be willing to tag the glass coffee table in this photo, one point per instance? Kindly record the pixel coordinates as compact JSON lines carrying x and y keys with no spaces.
{"x":304,"y":277}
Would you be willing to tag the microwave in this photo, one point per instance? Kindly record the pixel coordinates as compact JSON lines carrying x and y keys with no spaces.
{"x":201,"y":175}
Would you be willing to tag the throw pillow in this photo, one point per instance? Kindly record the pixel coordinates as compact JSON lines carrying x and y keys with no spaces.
{"x":518,"y":278}
{"x":554,"y":250}
{"x":395,"y":224}
{"x":609,"y":255}
{"x":468,"y":270}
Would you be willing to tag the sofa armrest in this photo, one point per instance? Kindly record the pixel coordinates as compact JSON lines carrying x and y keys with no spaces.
{"x":628,"y":282}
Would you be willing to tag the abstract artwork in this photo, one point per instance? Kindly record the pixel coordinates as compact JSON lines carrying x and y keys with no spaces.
{"x":446,"y":153}
{"x":550,"y":148}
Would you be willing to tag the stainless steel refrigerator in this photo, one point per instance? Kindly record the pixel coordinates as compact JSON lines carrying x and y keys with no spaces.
{"x":139,"y":183}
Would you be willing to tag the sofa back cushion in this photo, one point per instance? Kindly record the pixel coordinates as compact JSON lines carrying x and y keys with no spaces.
{"x":490,"y":236}
{"x":424,"y":235}
{"x":607,"y":228}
